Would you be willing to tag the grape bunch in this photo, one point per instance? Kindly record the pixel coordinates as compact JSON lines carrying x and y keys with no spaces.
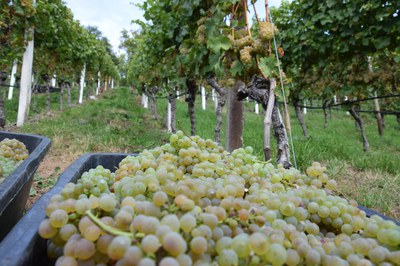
{"x":267,"y":31}
{"x":190,"y":202}
{"x":201,"y":34}
{"x":7,"y":166}
{"x":12,"y":153}
{"x":13,"y":149}
{"x":245,"y":55}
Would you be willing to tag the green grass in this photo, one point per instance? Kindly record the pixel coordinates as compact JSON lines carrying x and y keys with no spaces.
{"x":116,"y":123}
{"x":110,"y":124}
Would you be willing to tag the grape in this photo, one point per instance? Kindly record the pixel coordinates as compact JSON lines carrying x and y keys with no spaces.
{"x":146,"y":262}
{"x":66,"y":261}
{"x":84,"y":249}
{"x":198,"y":245}
{"x":228,"y":257}
{"x":276,"y":254}
{"x":313,"y":257}
{"x":288,"y":208}
{"x":245,"y":54}
{"x":107,"y":202}
{"x":174,"y":244}
{"x":67,"y":231}
{"x":92,"y":233}
{"x":46,"y":230}
{"x":187,"y":222}
{"x":13,"y":149}
{"x":168,"y":261}
{"x":293,"y":257}
{"x":258,"y":243}
{"x":117,"y":247}
{"x":189,"y":202}
{"x":103,"y":242}
{"x":12,"y":153}
{"x":150,"y":244}
{"x":160,"y":198}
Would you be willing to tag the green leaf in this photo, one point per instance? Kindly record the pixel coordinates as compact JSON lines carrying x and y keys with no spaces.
{"x":381,"y":42}
{"x":237,"y":68}
{"x":218,"y":43}
{"x":267,"y":65}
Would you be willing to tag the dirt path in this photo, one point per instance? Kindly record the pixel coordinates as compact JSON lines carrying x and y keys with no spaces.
{"x":47,"y":174}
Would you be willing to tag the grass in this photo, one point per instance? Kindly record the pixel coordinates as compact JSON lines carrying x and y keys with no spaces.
{"x":116,"y":123}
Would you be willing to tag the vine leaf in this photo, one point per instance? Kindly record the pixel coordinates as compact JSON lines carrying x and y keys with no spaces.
{"x":237,"y":68}
{"x":218,"y":43}
{"x":267,"y":65}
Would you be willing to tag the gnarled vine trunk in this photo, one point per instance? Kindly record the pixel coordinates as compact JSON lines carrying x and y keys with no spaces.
{"x":221,"y":102}
{"x":299,"y":115}
{"x":87,"y":89}
{"x":283,"y":156}
{"x":378,"y":115}
{"x":69,"y":93}
{"x":360,"y":123}
{"x":190,"y":99}
{"x":62,"y":86}
{"x":261,"y":90}
{"x":3,"y":78}
{"x":153,"y":101}
{"x":234,"y":118}
{"x":324,"y":107}
{"x":47,"y":79}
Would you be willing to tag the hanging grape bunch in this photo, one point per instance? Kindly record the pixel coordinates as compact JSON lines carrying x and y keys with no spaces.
{"x":189,"y":202}
{"x":266,"y":31}
{"x":248,"y":46}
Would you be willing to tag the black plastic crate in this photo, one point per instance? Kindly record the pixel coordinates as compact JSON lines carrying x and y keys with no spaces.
{"x":14,"y":190}
{"x":23,"y":245}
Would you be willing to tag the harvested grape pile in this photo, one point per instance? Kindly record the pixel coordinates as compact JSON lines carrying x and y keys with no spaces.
{"x":189,"y":202}
{"x":12,"y":153}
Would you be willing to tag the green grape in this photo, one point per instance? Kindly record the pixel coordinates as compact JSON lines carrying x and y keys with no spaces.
{"x":228,"y":257}
{"x":92,"y":233}
{"x":150,"y":244}
{"x":66,"y":261}
{"x":174,"y":244}
{"x":187,"y":222}
{"x":46,"y":230}
{"x":107,"y":202}
{"x":58,"y":218}
{"x":293,"y":257}
{"x":258,"y":243}
{"x":288,"y":208}
{"x":84,"y":249}
{"x":118,"y":246}
{"x":189,"y":202}
{"x":276,"y":254}
{"x":198,"y":245}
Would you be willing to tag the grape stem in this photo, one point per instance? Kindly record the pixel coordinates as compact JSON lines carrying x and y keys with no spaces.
{"x":184,"y":132}
{"x":109,"y":229}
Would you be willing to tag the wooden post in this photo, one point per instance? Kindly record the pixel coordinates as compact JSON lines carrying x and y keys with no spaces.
{"x":12,"y":79}
{"x":82,"y":84}
{"x":26,"y":80}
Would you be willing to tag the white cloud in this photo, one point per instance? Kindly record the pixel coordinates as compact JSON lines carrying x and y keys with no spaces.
{"x":111,"y":17}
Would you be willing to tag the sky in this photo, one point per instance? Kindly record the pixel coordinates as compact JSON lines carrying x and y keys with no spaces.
{"x":112,"y":16}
